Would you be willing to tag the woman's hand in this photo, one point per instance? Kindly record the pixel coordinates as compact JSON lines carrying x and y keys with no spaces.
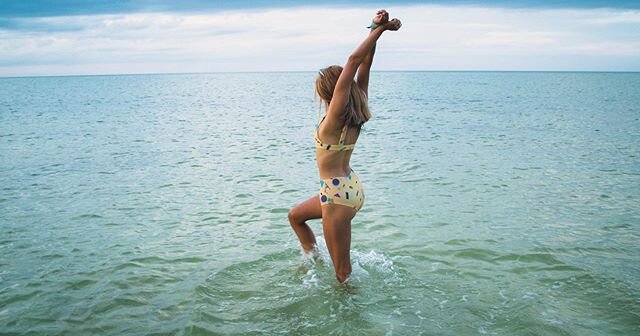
{"x":382,"y":17}
{"x":393,"y":25}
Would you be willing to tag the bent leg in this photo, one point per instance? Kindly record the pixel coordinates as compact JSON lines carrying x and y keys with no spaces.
{"x":336,"y":224}
{"x":298,"y":215}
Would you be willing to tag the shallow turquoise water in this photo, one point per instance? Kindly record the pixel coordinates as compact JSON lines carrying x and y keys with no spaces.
{"x":497,"y":203}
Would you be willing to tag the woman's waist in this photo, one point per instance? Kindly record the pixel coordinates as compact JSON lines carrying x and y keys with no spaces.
{"x":336,"y":172}
{"x":333,"y":165}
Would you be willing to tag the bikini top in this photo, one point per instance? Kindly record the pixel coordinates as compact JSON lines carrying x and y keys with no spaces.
{"x":339,"y":147}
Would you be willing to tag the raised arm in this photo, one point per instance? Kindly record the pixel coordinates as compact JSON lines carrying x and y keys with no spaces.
{"x":343,"y":85}
{"x":364,"y":69}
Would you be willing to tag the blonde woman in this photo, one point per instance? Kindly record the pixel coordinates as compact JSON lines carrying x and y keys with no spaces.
{"x":341,"y":192}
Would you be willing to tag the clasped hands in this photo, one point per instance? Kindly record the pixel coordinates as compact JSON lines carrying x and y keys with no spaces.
{"x":382,"y":19}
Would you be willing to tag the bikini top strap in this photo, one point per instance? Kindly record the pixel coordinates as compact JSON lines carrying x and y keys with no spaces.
{"x":343,"y":134}
{"x":320,"y":120}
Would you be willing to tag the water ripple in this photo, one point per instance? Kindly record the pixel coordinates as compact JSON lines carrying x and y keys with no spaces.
{"x":497,"y":203}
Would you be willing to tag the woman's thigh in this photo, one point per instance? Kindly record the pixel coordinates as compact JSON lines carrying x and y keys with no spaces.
{"x":336,"y":224}
{"x":336,"y":214}
{"x":309,"y":209}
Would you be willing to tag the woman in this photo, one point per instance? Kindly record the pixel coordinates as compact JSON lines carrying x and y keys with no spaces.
{"x":341,"y":194}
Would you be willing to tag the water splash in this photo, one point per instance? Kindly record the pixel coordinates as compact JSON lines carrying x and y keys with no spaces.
{"x":366,"y":266}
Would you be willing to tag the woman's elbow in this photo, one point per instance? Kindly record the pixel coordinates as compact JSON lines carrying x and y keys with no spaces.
{"x":355,"y":59}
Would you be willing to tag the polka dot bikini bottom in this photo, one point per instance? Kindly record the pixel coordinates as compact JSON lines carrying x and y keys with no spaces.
{"x":343,"y":190}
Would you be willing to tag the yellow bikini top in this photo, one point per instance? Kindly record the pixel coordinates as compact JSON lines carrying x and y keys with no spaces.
{"x":339,"y":147}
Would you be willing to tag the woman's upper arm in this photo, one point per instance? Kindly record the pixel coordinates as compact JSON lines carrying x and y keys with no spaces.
{"x":363,"y":78}
{"x":341,"y":94}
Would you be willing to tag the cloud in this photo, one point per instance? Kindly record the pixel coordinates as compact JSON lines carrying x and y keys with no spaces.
{"x":502,"y":33}
{"x":616,"y":18}
{"x":513,"y":39}
{"x":631,"y":49}
{"x":307,"y":38}
{"x":43,"y":8}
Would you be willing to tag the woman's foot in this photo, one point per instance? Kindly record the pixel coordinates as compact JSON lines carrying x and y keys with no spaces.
{"x":310,"y":253}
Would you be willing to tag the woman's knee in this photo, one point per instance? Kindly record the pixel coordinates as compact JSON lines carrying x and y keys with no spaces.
{"x":294,"y":216}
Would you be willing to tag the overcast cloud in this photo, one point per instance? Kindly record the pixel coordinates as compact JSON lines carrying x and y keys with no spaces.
{"x":433,"y":37}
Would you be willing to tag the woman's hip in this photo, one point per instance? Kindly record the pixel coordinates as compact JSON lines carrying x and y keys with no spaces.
{"x":344,"y":190}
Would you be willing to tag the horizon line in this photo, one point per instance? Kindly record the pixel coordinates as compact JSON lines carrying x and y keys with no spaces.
{"x":301,"y":71}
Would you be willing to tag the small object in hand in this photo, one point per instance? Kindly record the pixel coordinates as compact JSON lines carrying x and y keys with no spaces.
{"x":381,"y":18}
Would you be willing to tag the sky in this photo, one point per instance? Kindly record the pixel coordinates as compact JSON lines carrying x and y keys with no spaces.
{"x":81,"y":37}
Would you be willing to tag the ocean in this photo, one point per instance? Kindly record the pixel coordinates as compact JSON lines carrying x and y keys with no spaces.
{"x":498,"y":203}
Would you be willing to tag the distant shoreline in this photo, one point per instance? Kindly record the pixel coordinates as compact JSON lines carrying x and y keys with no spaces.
{"x":309,"y":71}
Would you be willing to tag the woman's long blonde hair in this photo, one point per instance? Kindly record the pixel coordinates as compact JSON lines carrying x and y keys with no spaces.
{"x":356,"y":112}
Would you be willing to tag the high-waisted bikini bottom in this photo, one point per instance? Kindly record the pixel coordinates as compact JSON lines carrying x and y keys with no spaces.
{"x":343,"y":190}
